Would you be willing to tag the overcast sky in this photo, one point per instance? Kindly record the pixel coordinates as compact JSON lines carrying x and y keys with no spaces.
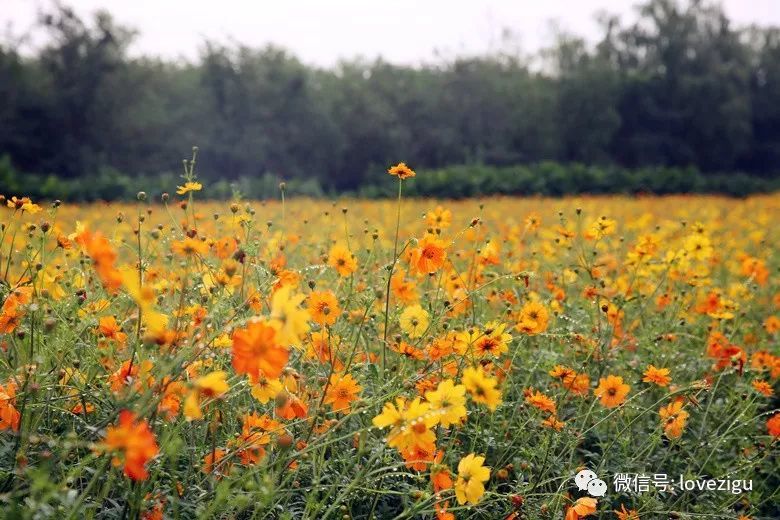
{"x":323,"y":31}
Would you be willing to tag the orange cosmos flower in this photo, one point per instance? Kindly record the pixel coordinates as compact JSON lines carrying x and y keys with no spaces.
{"x":612,"y":391}
{"x":541,"y":401}
{"x":772,"y":324}
{"x":429,"y":256}
{"x":342,"y":391}
{"x":10,"y":318}
{"x":584,"y":506}
{"x":673,"y":418}
{"x":561,"y":372}
{"x":404,"y":290}
{"x":402,"y":171}
{"x":189,"y":246}
{"x":103,"y":258}
{"x":659,"y":376}
{"x":256,"y":352}
{"x":134,"y":442}
{"x":773,"y":425}
{"x":342,"y":260}
{"x":324,"y":307}
{"x":533,"y":318}
{"x":578,"y":384}
{"x":553,"y":422}
{"x":255,"y":434}
{"x":441,"y":477}
{"x":762,"y":387}
{"x":110,"y":329}
{"x":419,"y":456}
{"x":289,"y":406}
{"x":212,"y":460}
{"x":624,"y":514}
{"x":9,"y":415}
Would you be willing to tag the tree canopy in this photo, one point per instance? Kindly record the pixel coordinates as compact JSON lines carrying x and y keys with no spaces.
{"x":679,"y":86}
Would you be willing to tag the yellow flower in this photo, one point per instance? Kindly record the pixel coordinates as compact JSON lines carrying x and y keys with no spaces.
{"x":698,"y":246}
{"x":342,"y":260}
{"x":402,"y":171}
{"x":603,"y":227}
{"x":188,"y":187}
{"x":414,"y":321}
{"x":472,"y":476}
{"x":410,"y":425}
{"x":482,"y":388}
{"x":24,"y":204}
{"x":448,"y":403}
{"x":288,"y":317}
{"x":266,"y":389}
{"x":210,"y":386}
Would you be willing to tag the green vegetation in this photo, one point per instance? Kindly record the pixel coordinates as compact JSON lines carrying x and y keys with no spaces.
{"x":545,"y":178}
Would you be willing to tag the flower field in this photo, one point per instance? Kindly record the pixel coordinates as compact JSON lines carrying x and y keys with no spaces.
{"x":402,"y":358}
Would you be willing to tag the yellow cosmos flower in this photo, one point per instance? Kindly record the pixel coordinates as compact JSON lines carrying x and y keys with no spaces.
{"x":448,"y":403}
{"x":409,"y":423}
{"x":414,"y":321}
{"x":288,"y":317}
{"x":482,"y":388}
{"x":188,"y":187}
{"x":472,"y":476}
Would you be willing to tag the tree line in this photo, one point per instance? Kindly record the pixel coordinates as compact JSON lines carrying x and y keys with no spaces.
{"x":677,"y":89}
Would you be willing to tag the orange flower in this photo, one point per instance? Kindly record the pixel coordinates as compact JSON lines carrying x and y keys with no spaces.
{"x":772,"y":324}
{"x":289,"y":406}
{"x":419,"y":456}
{"x":103,"y":258}
{"x":541,"y":401}
{"x":441,"y":478}
{"x":631,"y":514}
{"x":134,"y":441}
{"x":405,"y":291}
{"x":342,"y":260}
{"x":110,"y":329}
{"x":762,"y":387}
{"x":612,"y":391}
{"x":673,"y":418}
{"x":212,"y":460}
{"x":584,"y":506}
{"x":402,"y":171}
{"x":254,"y":436}
{"x":578,"y":384}
{"x":324,"y":307}
{"x":256,"y":351}
{"x":773,"y":425}
{"x":342,"y":391}
{"x":429,"y":256}
{"x":189,"y":246}
{"x":533,"y":318}
{"x":553,"y":422}
{"x":9,"y":415}
{"x":659,"y":376}
{"x":11,"y":313}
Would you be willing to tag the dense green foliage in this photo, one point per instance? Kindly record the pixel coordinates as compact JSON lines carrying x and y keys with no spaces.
{"x":677,"y":88}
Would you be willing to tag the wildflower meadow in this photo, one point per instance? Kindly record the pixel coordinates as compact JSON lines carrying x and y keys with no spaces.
{"x":180,"y":357}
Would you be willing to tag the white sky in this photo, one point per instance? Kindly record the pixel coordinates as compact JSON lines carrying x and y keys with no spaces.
{"x":323,"y":31}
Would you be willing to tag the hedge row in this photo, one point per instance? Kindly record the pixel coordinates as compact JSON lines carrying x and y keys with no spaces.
{"x":546,"y":178}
